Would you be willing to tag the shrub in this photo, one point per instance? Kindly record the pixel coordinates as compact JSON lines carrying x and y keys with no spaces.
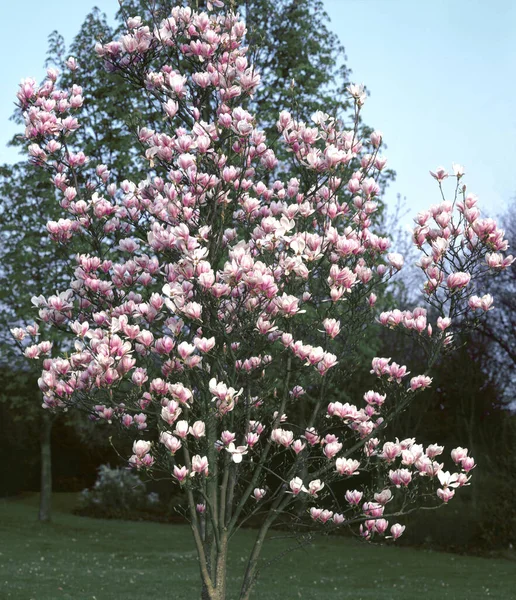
{"x":117,"y":493}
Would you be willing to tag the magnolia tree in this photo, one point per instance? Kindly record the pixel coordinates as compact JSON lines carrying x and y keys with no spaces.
{"x":219,"y":297}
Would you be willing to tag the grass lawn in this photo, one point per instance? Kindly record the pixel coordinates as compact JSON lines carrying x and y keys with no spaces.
{"x":79,"y":558}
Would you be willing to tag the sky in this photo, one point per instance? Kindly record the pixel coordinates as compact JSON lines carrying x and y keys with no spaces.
{"x":441,"y":75}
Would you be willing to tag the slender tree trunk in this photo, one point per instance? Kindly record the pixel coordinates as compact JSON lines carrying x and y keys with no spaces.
{"x":252,"y":566}
{"x":45,"y":498}
{"x":222,"y":557}
{"x":218,"y":573}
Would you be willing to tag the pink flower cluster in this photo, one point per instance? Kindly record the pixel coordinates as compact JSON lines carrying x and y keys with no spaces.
{"x":458,"y":246}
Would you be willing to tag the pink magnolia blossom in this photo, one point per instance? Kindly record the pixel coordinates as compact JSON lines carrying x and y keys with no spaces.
{"x":468,"y":463}
{"x":440,"y":174}
{"x":180,"y":473}
{"x":338,"y":518}
{"x":141,"y":448}
{"x":458,"y":454}
{"x":420,"y":382}
{"x":395,"y":260}
{"x":172,"y":443}
{"x":347,"y":466}
{"x":397,"y":530}
{"x":199,"y":464}
{"x":259,"y":493}
{"x":445,"y":494}
{"x":485,"y":302}
{"x":400,"y":477}
{"x":331,"y":449}
{"x":198,"y":429}
{"x":447,"y":479}
{"x":458,"y":280}
{"x":296,"y":486}
{"x":354,"y":497}
{"x":383,"y":497}
{"x":237,"y":452}
{"x":314,"y":487}
{"x":181,"y":429}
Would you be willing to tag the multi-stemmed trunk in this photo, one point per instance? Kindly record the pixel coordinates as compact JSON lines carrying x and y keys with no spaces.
{"x":214,"y":587}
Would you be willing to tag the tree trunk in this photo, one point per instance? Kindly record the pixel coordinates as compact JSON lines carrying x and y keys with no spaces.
{"x":218,"y":573}
{"x":45,"y":498}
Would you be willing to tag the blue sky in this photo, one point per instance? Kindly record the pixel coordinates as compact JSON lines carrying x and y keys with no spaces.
{"x":441,"y":75}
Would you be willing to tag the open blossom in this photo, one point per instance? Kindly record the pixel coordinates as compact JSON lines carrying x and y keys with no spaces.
{"x":332,"y":327}
{"x":338,"y":518}
{"x":282,"y":436}
{"x":390,"y":451}
{"x":141,"y":448}
{"x":357,"y":91}
{"x":497,"y":261}
{"x":468,"y":463}
{"x":315,"y":513}
{"x":314,"y":487}
{"x":463,"y":479}
{"x":298,"y":446}
{"x":440,"y":174}
{"x":237,"y":452}
{"x":325,"y":516}
{"x":224,"y":396}
{"x":296,"y":486}
{"x":227,"y":437}
{"x":181,"y":429}
{"x":180,"y":473}
{"x":443,"y":323}
{"x":434,"y":450}
{"x":18,"y":333}
{"x":458,"y":170}
{"x":383,"y":497}
{"x":447,"y":479}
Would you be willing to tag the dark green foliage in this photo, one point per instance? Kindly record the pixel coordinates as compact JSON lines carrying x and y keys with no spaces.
{"x":31,"y":263}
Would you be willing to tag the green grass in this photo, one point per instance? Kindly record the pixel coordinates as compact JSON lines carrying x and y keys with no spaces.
{"x":78,"y":558}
